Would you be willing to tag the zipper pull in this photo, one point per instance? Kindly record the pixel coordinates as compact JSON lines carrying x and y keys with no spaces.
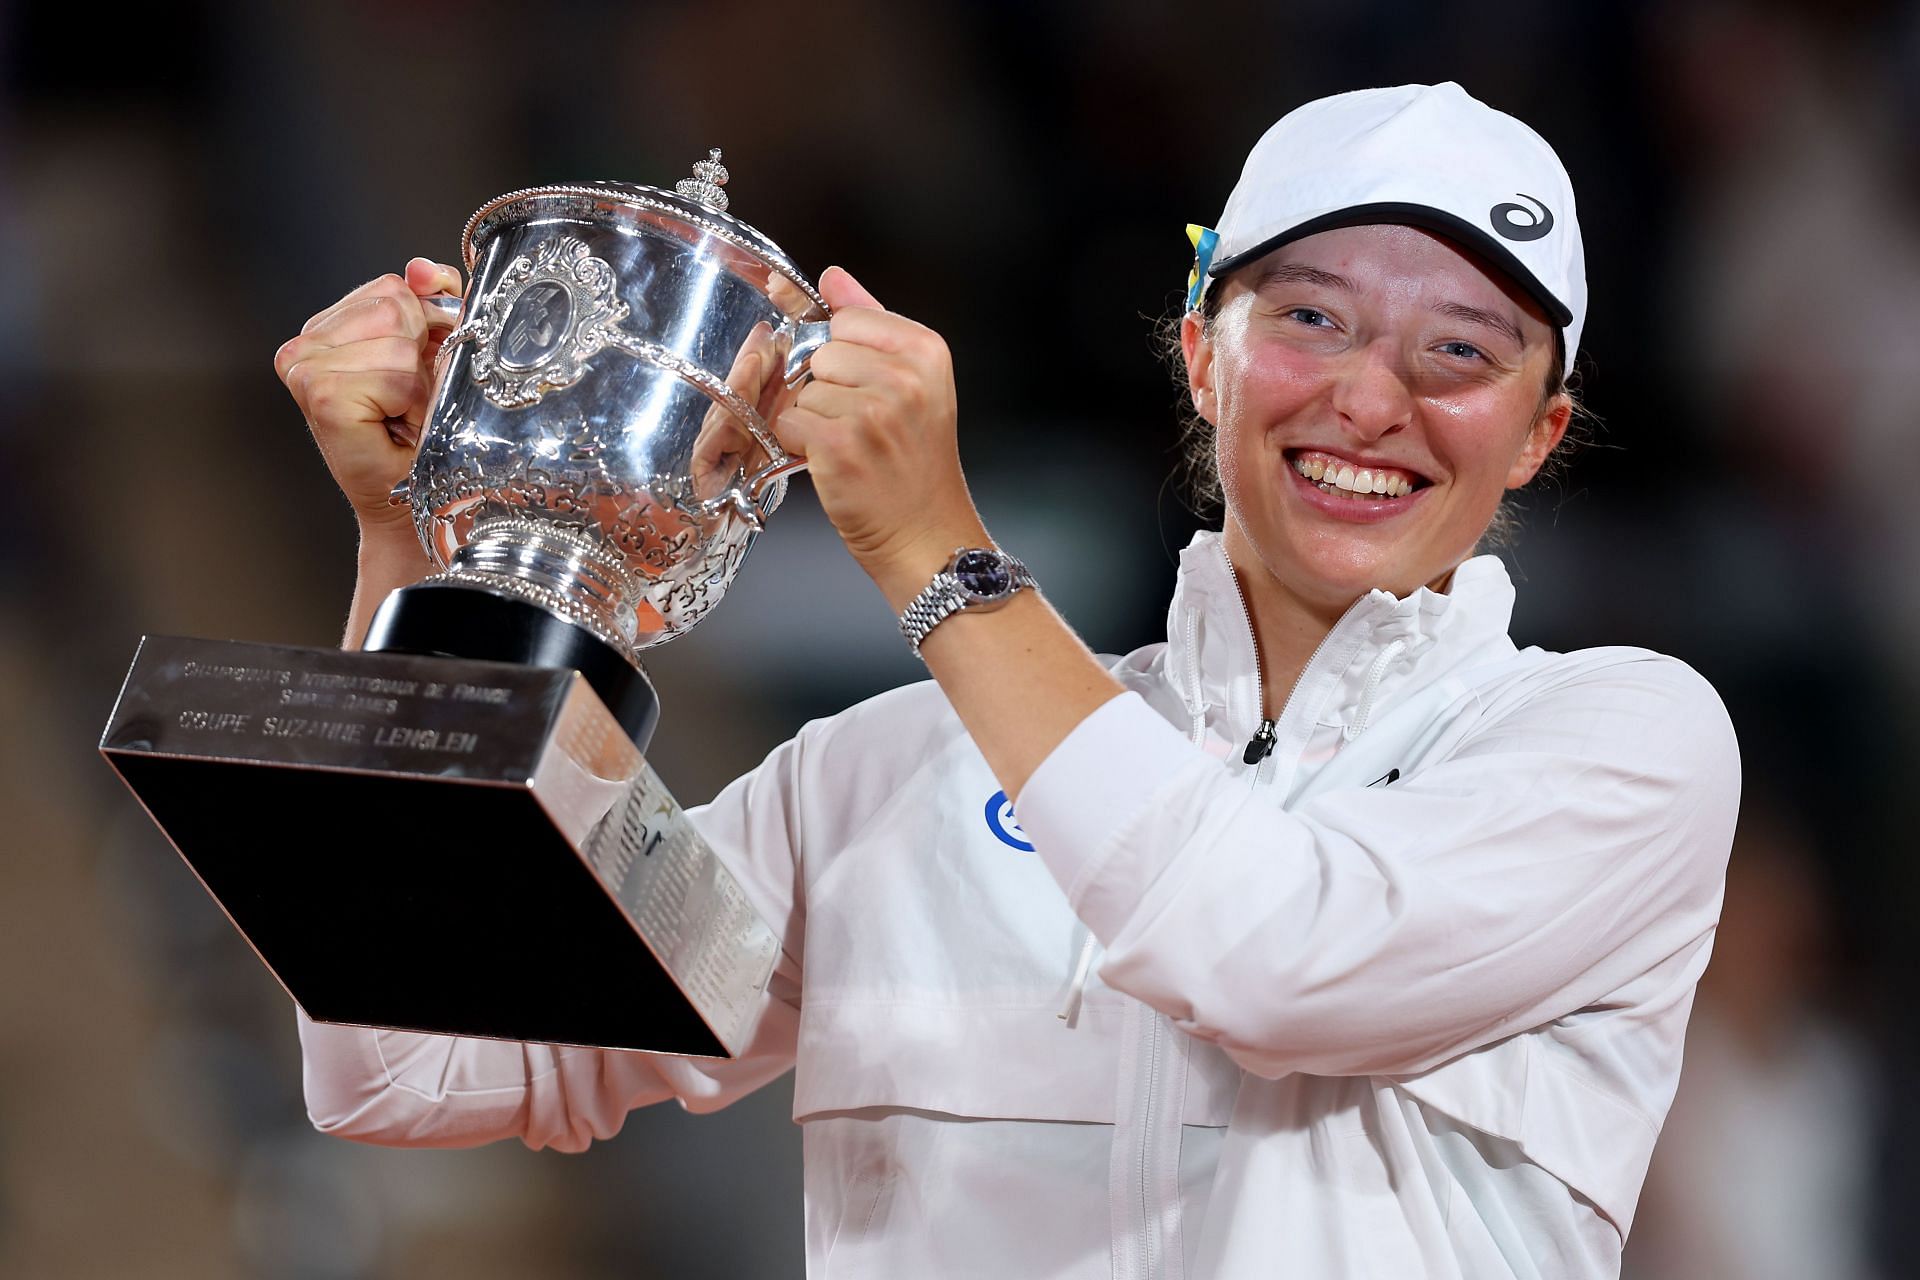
{"x":1260,"y":746}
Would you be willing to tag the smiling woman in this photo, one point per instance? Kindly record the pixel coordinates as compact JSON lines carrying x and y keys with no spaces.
{"x":1335,"y":936}
{"x":1379,"y":357}
{"x":1203,"y":463}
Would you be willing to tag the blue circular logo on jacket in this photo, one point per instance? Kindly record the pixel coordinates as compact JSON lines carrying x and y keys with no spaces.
{"x":1002,"y":823}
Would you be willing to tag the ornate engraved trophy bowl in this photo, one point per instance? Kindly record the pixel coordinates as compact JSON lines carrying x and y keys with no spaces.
{"x":598,"y":446}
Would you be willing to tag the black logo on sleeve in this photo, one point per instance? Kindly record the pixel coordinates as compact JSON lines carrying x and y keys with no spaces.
{"x":1507,"y":219}
{"x":1386,"y":779}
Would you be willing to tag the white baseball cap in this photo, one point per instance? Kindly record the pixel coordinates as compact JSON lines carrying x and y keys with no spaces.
{"x":1430,"y":156}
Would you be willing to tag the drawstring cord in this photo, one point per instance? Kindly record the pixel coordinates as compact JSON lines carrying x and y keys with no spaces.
{"x":1077,"y":990}
{"x":1197,"y":709}
{"x":1374,"y":675}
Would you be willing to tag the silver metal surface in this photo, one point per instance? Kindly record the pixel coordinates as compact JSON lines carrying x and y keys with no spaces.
{"x":806,"y":339}
{"x":598,"y":440}
{"x":945,"y":596}
{"x":709,"y":176}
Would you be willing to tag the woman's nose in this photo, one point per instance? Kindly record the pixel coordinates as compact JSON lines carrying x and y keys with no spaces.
{"x":1371,"y":394}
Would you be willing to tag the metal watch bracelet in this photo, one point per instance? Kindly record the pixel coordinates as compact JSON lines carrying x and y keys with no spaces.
{"x":947,"y":595}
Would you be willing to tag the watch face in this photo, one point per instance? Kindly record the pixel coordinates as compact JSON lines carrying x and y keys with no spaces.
{"x":983,"y":573}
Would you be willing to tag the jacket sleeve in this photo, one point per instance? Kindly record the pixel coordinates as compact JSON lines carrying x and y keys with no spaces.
{"x":410,"y":1089}
{"x":1564,"y":847}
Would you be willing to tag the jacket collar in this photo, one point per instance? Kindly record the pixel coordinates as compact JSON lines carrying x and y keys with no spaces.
{"x":1411,"y":640}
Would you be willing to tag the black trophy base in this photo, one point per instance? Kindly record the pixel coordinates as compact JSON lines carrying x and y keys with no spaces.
{"x":451,"y":621}
{"x":438,"y":844}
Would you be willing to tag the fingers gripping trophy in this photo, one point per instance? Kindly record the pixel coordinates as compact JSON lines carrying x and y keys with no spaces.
{"x":596,"y":461}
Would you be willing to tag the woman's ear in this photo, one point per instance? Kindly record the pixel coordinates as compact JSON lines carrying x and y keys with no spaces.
{"x":1542,"y":438}
{"x":1197,"y":347}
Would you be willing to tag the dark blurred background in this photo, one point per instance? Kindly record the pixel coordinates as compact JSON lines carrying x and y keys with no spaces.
{"x":182,"y":185}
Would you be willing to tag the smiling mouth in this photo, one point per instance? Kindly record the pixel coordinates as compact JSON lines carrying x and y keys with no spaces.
{"x":1342,"y":478}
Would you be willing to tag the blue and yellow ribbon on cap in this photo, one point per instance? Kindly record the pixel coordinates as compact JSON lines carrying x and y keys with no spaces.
{"x":1204,"y":240}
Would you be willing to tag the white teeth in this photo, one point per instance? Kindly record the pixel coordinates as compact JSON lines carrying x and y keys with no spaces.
{"x":1364,"y":482}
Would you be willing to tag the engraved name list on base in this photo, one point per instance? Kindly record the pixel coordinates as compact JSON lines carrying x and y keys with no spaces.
{"x":686,"y":904}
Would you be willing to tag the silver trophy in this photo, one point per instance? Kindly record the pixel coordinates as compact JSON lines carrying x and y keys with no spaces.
{"x":456,"y":829}
{"x":597,"y":453}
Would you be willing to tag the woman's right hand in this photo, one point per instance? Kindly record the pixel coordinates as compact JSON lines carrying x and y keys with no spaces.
{"x":361,"y":372}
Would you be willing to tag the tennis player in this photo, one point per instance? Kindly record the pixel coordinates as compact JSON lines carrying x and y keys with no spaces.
{"x":1336,"y":936}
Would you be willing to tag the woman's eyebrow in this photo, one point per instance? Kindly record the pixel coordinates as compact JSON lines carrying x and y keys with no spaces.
{"x":1479,"y":315}
{"x":1300,"y":273}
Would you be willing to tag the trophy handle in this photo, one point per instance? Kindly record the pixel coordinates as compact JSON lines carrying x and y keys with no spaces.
{"x":777,"y":469}
{"x":744,"y":499}
{"x":449,"y":306}
{"x":802,"y":341}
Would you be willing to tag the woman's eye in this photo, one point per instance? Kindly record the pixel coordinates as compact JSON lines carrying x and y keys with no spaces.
{"x":1308,"y":316}
{"x":1464,"y":350}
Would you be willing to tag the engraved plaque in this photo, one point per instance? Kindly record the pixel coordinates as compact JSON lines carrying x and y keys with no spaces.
{"x":438,"y":844}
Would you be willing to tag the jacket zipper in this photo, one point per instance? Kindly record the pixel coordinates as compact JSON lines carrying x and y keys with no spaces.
{"x":1260,"y":746}
{"x":1149,"y":1220}
{"x":1286,"y":711}
{"x":1145,"y":1256}
{"x":1150,"y":1250}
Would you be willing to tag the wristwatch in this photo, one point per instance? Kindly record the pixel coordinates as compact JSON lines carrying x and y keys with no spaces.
{"x":976,"y":580}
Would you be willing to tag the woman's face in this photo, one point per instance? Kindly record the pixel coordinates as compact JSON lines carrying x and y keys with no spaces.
{"x":1375,"y":357}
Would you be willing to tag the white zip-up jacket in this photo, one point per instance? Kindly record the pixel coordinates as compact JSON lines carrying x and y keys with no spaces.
{"x":1406,"y":998}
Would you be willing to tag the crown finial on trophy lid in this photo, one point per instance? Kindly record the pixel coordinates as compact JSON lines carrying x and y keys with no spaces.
{"x":709,"y":176}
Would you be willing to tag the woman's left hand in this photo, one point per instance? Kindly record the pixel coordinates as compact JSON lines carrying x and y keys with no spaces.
{"x":877,"y":427}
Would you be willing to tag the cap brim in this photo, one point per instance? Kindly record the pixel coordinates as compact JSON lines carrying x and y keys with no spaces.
{"x":1475,"y":238}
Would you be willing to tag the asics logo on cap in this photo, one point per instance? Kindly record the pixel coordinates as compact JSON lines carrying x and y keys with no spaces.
{"x":1536,"y":225}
